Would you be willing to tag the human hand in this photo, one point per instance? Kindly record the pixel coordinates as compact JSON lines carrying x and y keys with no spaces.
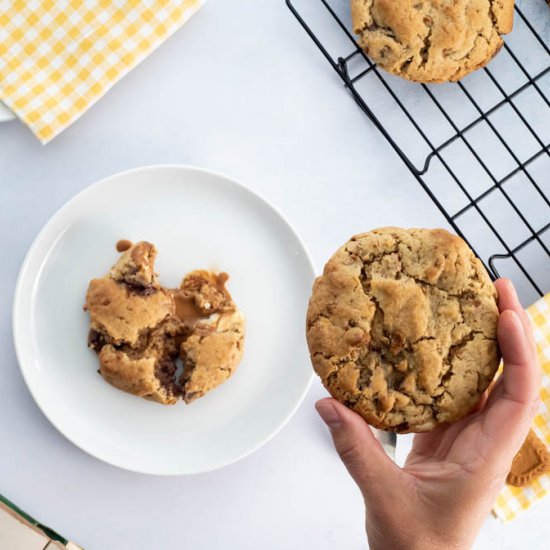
{"x":452,"y":475}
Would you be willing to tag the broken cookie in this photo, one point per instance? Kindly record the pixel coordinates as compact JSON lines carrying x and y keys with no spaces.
{"x":213,"y":349}
{"x":140,"y":329}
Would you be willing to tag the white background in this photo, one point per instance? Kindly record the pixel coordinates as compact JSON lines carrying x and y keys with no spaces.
{"x":241,"y":90}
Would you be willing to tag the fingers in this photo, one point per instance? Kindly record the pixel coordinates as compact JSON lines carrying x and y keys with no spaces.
{"x":517,"y":344}
{"x":508,"y":299}
{"x":359,"y":450}
{"x":508,"y":302}
{"x":521,"y":375}
{"x":513,"y":403}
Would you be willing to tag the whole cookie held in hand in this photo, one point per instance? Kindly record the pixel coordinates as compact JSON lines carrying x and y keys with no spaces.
{"x":431,"y":40}
{"x":401,"y":328}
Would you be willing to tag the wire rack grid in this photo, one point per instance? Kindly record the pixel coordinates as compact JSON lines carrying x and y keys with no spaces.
{"x":480,"y":148}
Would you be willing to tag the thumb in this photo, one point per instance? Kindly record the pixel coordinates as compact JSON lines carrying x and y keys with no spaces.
{"x":370,"y":467}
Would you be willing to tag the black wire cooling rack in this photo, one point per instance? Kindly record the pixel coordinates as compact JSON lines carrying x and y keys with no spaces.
{"x":480,"y":148}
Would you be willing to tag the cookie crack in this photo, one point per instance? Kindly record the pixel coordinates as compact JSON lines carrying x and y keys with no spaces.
{"x":372,"y":257}
{"x":453,"y":351}
{"x":315,"y":320}
{"x":467,"y":293}
{"x":333,"y":376}
{"x":425,"y":51}
{"x":371,"y":25}
{"x":492,"y":15}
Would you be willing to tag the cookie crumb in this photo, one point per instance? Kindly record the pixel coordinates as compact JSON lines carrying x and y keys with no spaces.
{"x":123,"y":245}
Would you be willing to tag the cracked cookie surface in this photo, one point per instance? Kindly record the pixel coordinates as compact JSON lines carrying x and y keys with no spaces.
{"x":139,"y":329}
{"x":431,"y":40}
{"x":401,"y":327}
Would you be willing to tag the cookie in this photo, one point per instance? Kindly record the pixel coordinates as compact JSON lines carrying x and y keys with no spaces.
{"x":531,"y":461}
{"x":401,"y":328}
{"x":214,"y":349}
{"x":140,"y":330}
{"x":433,"y":40}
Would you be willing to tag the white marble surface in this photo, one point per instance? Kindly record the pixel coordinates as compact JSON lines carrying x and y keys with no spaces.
{"x":241,"y":90}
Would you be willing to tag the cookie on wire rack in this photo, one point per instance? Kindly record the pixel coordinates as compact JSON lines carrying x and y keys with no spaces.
{"x":431,"y":40}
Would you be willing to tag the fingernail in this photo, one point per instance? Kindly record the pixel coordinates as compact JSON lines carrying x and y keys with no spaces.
{"x":517,"y":321}
{"x":329,"y":414}
{"x":512,"y":289}
{"x":513,"y":316}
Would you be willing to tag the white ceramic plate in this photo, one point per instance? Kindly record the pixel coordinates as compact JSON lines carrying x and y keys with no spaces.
{"x":197,"y":219}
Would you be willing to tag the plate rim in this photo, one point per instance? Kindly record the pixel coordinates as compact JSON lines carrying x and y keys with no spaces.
{"x":18,"y":321}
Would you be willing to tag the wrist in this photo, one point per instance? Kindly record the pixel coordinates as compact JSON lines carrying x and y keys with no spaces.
{"x":412,"y":543}
{"x":414,"y":538}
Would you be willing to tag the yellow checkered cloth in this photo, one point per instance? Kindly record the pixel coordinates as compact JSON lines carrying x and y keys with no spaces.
{"x":512,"y":500}
{"x":58,"y":57}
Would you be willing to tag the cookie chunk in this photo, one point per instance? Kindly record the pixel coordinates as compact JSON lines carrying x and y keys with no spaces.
{"x":136,"y":268}
{"x":148,"y":375}
{"x":140,"y":330}
{"x":214,"y":349}
{"x":531,"y":461}
{"x":431,"y":40}
{"x":401,"y":328}
{"x":122,"y":313}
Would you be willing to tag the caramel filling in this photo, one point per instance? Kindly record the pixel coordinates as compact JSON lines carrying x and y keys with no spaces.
{"x":186,"y":310}
{"x":123,"y":245}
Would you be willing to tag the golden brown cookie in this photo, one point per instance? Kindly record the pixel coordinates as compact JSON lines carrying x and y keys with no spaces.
{"x":140,"y":329}
{"x":214,"y":349}
{"x":531,"y":461}
{"x":401,"y":328}
{"x":431,"y":40}
{"x":122,"y":312}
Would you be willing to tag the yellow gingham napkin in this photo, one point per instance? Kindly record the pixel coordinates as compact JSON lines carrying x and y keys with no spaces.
{"x":512,"y":500}
{"x":58,"y":57}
